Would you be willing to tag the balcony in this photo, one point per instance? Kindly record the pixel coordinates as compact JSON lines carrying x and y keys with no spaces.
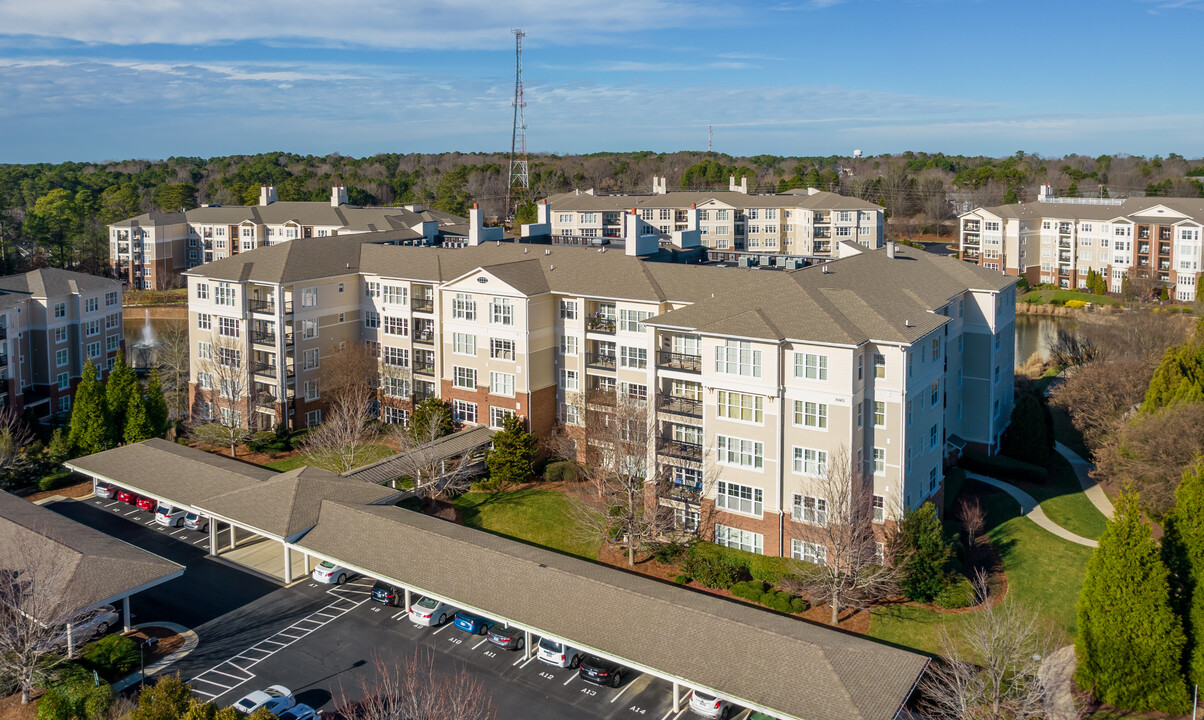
{"x":600,"y":361}
{"x":678,"y":361}
{"x":424,"y":332}
{"x":677,"y":405}
{"x":971,"y":226}
{"x":3,"y":359}
{"x":269,"y":370}
{"x":1063,"y":244}
{"x":681,"y":491}
{"x":265,"y":401}
{"x":267,"y":307}
{"x":821,"y":217}
{"x":600,"y":396}
{"x":1064,"y":257}
{"x":970,"y":239}
{"x":601,"y":324}
{"x":823,"y":247}
{"x":1063,"y":271}
{"x":423,"y":304}
{"x":679,"y":449}
{"x":424,"y":367}
{"x":823,"y":233}
{"x":263,"y":338}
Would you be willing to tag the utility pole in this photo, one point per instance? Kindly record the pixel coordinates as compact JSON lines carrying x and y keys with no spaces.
{"x":519,"y":178}
{"x":709,"y":133}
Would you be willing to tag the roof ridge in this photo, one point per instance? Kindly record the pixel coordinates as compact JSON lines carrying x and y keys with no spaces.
{"x":656,"y":287}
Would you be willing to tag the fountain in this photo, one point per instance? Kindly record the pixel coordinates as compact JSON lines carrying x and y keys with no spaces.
{"x":144,"y":348}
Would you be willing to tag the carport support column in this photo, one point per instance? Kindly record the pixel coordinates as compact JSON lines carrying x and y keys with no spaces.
{"x":212,"y":537}
{"x":232,"y":541}
{"x":676,"y":697}
{"x":125,"y":613}
{"x":70,"y":642}
{"x":306,"y":562}
{"x":407,"y":599}
{"x":288,"y":564}
{"x":526,"y":644}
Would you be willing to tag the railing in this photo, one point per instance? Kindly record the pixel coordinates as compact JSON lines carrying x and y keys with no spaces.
{"x":424,"y":304}
{"x":267,"y":306}
{"x":426,"y":337}
{"x":601,"y":325}
{"x":600,"y":397}
{"x":598,"y":360}
{"x":678,"y":361}
{"x":971,"y":226}
{"x":269,"y":370}
{"x":823,"y":232}
{"x":263,"y":338}
{"x":678,"y":405}
{"x":680,"y":449}
{"x":688,"y":493}
{"x":561,"y":239}
{"x":265,"y":400}
{"x":424,"y":368}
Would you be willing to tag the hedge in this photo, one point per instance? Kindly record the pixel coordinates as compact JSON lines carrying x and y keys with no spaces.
{"x":711,"y":572}
{"x":1004,"y":467}
{"x":779,"y":600}
{"x":112,"y":656}
{"x":55,"y":480}
{"x":765,"y":568}
{"x":560,"y":470}
{"x":958,"y":594}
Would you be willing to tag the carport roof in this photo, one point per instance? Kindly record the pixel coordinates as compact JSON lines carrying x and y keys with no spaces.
{"x":792,"y":667}
{"x":444,"y":448}
{"x":101,"y":568}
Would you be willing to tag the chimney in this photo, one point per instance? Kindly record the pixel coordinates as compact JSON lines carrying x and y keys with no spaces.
{"x":338,"y":196}
{"x":475,"y":225}
{"x":543,"y":214}
{"x":743,"y":184}
{"x":1045,"y":193}
{"x":267,"y":194}
{"x":890,"y":249}
{"x":731,"y":183}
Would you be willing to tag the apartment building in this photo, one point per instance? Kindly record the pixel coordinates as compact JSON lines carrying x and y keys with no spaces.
{"x":51,"y":322}
{"x":151,"y":250}
{"x":750,"y":379}
{"x":808,"y":223}
{"x":1061,"y":240}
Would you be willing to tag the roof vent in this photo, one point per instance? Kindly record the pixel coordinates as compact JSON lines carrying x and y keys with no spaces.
{"x":825,"y":269}
{"x":906,"y":323}
{"x":499,"y":243}
{"x":348,"y":266}
{"x":526,"y":250}
{"x":551,"y":268}
{"x":547,"y":251}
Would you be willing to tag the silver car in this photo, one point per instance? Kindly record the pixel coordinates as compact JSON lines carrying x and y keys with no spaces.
{"x":275,"y":698}
{"x":557,"y":654}
{"x":95,"y":622}
{"x":105,"y":490}
{"x":708,"y":706}
{"x":193,"y":521}
{"x":431,"y":612}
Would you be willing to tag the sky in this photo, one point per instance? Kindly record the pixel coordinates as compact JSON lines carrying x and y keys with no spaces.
{"x":96,"y":80}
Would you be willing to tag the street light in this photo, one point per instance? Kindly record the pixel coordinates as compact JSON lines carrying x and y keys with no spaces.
{"x":149,"y":642}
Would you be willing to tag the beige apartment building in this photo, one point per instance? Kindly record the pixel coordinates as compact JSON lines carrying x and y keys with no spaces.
{"x":151,"y":250}
{"x":52,"y":322}
{"x":808,"y":223}
{"x":1060,"y":240}
{"x":750,"y":379}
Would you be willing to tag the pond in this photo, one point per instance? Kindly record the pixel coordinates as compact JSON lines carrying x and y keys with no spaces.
{"x":144,"y":326}
{"x":1036,"y":333}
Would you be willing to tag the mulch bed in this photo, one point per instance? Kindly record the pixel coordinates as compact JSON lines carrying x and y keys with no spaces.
{"x":12,"y":709}
{"x":169,"y":641}
{"x":79,"y":490}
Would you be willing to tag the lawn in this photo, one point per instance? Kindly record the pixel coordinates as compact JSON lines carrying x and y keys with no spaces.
{"x":374,"y":453}
{"x":1066,"y":433}
{"x":1047,"y":294}
{"x":1064,"y":501}
{"x":1042,"y":570}
{"x":538,"y":517}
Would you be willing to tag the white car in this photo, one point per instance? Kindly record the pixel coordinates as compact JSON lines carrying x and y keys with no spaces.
{"x":329,"y":573}
{"x":430,"y":612}
{"x":558,"y":654}
{"x":276,"y":699}
{"x":708,"y":706}
{"x":105,"y":490}
{"x":300,"y":712}
{"x":169,"y":516}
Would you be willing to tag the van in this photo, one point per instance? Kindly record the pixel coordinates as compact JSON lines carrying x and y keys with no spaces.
{"x":558,"y":654}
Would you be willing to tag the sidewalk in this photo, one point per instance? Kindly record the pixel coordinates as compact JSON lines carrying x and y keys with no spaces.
{"x":1030,"y":508}
{"x":1082,"y":469}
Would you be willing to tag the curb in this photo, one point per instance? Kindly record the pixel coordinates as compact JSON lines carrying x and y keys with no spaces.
{"x":190,"y":642}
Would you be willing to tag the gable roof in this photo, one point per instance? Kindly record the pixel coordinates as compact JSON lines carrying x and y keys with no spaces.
{"x":821,"y":200}
{"x":50,"y":282}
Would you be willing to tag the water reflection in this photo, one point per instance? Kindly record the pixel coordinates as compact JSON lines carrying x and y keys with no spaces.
{"x":1036,"y":334}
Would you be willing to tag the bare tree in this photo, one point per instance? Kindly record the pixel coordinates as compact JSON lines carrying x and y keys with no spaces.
{"x":15,"y":438}
{"x":992,"y":667}
{"x":414,"y":690}
{"x":226,"y":376}
{"x":433,"y":472}
{"x":973,"y":520}
{"x":348,"y":384}
{"x":1151,"y":452}
{"x":35,"y":612}
{"x":172,"y":356}
{"x":857,"y":568}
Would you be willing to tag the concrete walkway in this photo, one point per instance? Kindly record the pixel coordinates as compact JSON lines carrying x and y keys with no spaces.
{"x":1030,"y":508}
{"x":1057,"y":673}
{"x":1082,"y":469}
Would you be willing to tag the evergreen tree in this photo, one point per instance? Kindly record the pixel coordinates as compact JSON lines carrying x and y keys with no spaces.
{"x":1130,"y":642}
{"x":1179,"y":375}
{"x":1126,"y":288}
{"x":431,"y":419}
{"x":1183,"y":552}
{"x":926,"y":553}
{"x":156,"y":405}
{"x":1010,"y":197}
{"x":119,"y":388}
{"x":137,"y":425}
{"x":513,"y":452}
{"x":1029,"y":436}
{"x":91,"y":429}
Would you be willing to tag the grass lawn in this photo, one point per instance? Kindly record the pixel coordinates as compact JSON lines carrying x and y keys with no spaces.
{"x":374,"y":453}
{"x":1066,"y":433}
{"x":538,"y":517}
{"x":1047,"y":294}
{"x":1042,"y":571}
{"x":1064,"y":501}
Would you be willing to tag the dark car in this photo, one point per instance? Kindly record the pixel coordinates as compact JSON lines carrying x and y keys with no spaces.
{"x":383,"y":592}
{"x":471,"y":624}
{"x":600,"y":671}
{"x":507,"y":638}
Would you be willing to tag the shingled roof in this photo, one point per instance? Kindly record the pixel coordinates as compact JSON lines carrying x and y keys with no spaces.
{"x":48,"y":282}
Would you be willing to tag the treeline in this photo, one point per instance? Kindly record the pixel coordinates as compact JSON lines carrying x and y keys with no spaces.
{"x":56,"y":214}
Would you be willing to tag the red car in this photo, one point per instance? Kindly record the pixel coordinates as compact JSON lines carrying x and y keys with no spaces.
{"x":126,"y":497}
{"x":146,"y":504}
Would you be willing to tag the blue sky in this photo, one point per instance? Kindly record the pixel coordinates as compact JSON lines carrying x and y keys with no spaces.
{"x":111,"y":79}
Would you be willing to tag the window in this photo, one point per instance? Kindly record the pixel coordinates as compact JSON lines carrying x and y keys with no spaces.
{"x":810,"y":510}
{"x":371,"y":319}
{"x":879,"y":414}
{"x":909,"y":413}
{"x":934,"y":393}
{"x":936,"y":349}
{"x":91,"y":304}
{"x":501,"y":311}
{"x":309,"y":297}
{"x":60,"y":357}
{"x":735,"y":537}
{"x":112,"y":321}
{"x":60,"y":334}
{"x":879,"y":503}
{"x":311,"y":359}
{"x":60,"y":310}
{"x":739,"y":498}
{"x":397,"y":326}
{"x":112,"y":342}
{"x":932,"y":433}
{"x":372,"y":289}
{"x":879,"y":366}
{"x":634,"y":392}
{"x":931,"y":479}
{"x":736,"y":357}
{"x":394,"y":294}
{"x":395,"y":356}
{"x":633,"y":320}
{"x":229,"y":357}
{"x":739,"y":406}
{"x":633,"y":357}
{"x":111,"y":298}
{"x":497,"y":416}
{"x":465,"y":378}
{"x":808,"y":461}
{"x":464,"y":344}
{"x":569,"y":380}
{"x":223,"y":294}
{"x":568,"y":345}
{"x":814,"y":553}
{"x":501,"y":349}
{"x":811,"y":414}
{"x":205,"y":380}
{"x":879,"y":461}
{"x":686,"y":519}
{"x":396,"y":416}
{"x":227,"y":327}
{"x":570,"y":414}
{"x":313,"y":418}
{"x":395,"y":386}
{"x":568,"y":309}
{"x":501,"y":384}
{"x":311,"y":389}
{"x":92,"y":327}
{"x":739,"y":452}
{"x":860,"y":367}
{"x":93,"y":350}
{"x":464,"y":412}
{"x":203,"y":322}
{"x":812,"y":367}
{"x":860,"y":412}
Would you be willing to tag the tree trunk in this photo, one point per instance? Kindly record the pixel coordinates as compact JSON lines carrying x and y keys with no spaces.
{"x":835,"y":603}
{"x":630,"y":553}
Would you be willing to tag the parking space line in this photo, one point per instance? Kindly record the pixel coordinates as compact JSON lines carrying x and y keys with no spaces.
{"x":198,"y":678}
{"x":483,"y":641}
{"x":620,"y":693}
{"x":273,"y":642}
{"x":131,"y":512}
{"x":566,"y":682}
{"x":219,"y":672}
{"x":744,"y":715}
{"x":397,"y":616}
{"x":198,"y":542}
{"x":446,"y":626}
{"x":528,"y":661}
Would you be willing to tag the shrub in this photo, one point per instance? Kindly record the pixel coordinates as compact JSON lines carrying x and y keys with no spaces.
{"x":261,"y":440}
{"x":669,"y":552}
{"x":1002,"y":466}
{"x":749,"y":590}
{"x":682,"y":579}
{"x":113,"y":656}
{"x":1076,"y":304}
{"x":54,"y":480}
{"x":565,"y":470}
{"x":71,"y":694}
{"x":714,"y":573}
{"x":799,"y":605}
{"x":759,"y":567}
{"x":928,"y":554}
{"x":955,"y":595}
{"x":1057,"y":302}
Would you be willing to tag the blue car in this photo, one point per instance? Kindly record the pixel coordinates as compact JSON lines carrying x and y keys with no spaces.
{"x":472,"y":624}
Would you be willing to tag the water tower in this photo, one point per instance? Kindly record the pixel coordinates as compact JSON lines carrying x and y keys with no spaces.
{"x":856,"y":154}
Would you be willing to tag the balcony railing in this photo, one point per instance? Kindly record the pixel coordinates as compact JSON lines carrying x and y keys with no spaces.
{"x":678,"y":361}
{"x":679,"y":491}
{"x":267,"y":307}
{"x":600,"y":397}
{"x":601,"y":325}
{"x":424,"y":304}
{"x":425,"y":337}
{"x":680,"y":449}
{"x":971,"y":226}
{"x":263,"y":338}
{"x":679,"y":405}
{"x":423,"y":367}
{"x":3,"y":359}
{"x":269,"y":370}
{"x":598,"y":360}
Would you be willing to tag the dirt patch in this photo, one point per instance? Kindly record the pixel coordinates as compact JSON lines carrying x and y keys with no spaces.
{"x":12,"y":709}
{"x":168,"y":641}
{"x":77,"y":491}
{"x":442,"y":510}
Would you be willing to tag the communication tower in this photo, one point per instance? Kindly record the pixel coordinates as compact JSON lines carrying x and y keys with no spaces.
{"x":520,"y":180}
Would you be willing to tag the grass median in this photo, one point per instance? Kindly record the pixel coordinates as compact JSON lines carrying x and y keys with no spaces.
{"x":538,"y":517}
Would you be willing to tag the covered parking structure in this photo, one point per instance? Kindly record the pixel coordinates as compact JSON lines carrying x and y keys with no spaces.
{"x":463,"y":450}
{"x":270,"y":509}
{"x":93,"y":568}
{"x":770,"y":663}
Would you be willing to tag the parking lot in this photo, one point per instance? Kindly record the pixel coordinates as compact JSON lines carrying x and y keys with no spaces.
{"x":322,"y":641}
